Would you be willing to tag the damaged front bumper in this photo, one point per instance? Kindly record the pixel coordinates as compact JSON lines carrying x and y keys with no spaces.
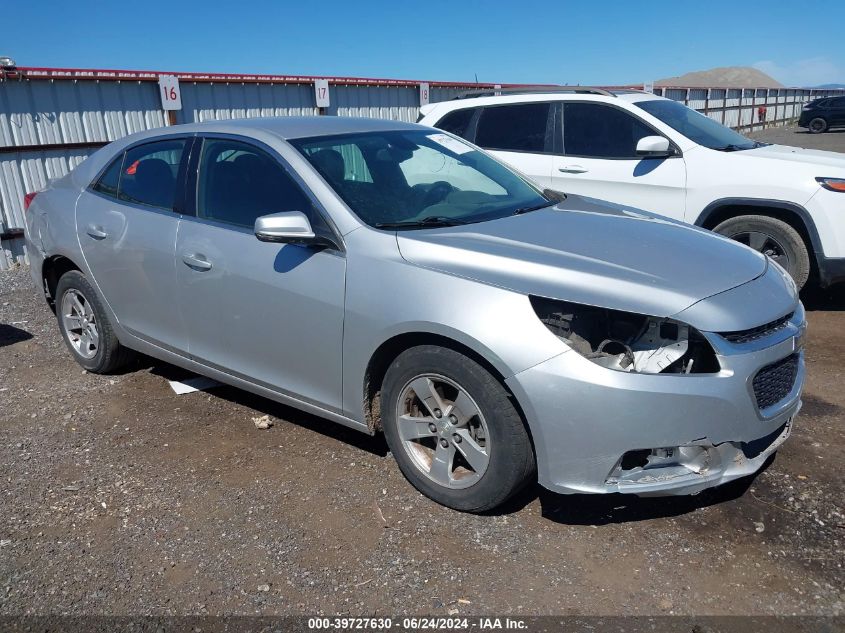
{"x":691,"y":469}
{"x":597,"y":430}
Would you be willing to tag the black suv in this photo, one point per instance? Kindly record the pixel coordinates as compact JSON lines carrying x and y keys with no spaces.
{"x":822,"y":114}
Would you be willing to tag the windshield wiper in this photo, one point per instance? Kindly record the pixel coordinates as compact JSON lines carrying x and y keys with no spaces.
{"x":733,"y":147}
{"x":431,"y":221}
{"x":536,"y":207}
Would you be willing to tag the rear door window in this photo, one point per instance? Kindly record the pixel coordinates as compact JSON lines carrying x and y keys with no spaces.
{"x":515,"y":128}
{"x":149,"y":174}
{"x":595,"y":130}
{"x":457,"y":122}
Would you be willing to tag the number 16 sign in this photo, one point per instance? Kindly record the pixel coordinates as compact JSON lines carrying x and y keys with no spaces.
{"x":168,"y":88}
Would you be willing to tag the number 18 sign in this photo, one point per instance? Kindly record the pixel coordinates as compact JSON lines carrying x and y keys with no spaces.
{"x":168,"y":88}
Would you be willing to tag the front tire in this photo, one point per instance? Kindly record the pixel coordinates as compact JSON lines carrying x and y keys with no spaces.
{"x":85,"y":326}
{"x":454,"y":430}
{"x":774,"y":238}
{"x":817,"y":125}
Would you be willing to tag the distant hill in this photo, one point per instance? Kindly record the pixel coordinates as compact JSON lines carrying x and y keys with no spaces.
{"x":729,"y":77}
{"x":831,"y":86}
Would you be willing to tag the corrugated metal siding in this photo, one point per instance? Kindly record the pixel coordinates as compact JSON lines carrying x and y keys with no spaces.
{"x":40,"y":112}
{"x":396,"y":103}
{"x":211,"y":102}
{"x":21,"y":172}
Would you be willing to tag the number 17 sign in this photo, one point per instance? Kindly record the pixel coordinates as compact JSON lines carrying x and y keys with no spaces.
{"x":168,"y":88}
{"x":321,"y":91}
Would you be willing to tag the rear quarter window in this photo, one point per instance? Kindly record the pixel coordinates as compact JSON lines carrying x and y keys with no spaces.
{"x":110,"y":179}
{"x":457,"y":122}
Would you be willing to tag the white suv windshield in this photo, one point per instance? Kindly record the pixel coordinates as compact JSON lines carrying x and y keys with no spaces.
{"x":417,"y":178}
{"x":695,"y":126}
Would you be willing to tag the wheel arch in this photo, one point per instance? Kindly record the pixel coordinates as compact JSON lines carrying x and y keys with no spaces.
{"x":389,"y":350}
{"x":51,"y":271}
{"x":793,"y":214}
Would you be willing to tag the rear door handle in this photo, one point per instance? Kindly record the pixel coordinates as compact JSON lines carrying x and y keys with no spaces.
{"x":96,"y":232}
{"x":573,"y":169}
{"x":196,"y":261}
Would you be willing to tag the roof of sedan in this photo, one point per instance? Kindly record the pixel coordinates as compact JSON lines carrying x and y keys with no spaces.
{"x":289,"y":127}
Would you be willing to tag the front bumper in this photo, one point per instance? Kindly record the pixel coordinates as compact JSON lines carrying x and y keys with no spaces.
{"x":585,"y":418}
{"x":831,"y":270}
{"x":827,"y":214}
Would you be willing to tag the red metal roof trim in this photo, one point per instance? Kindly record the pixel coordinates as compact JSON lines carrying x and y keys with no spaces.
{"x":153,"y":75}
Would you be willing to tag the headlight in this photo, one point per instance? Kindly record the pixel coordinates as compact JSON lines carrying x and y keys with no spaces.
{"x":832,"y":184}
{"x":625,"y":341}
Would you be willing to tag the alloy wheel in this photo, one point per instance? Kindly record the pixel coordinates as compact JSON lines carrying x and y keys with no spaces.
{"x":817,"y":125}
{"x":80,"y":323}
{"x":443,"y":431}
{"x":765,"y":244}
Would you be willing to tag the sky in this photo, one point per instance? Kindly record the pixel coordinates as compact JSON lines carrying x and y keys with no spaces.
{"x":513,"y":41}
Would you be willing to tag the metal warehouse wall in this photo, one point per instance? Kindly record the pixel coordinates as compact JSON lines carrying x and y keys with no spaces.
{"x":51,"y":119}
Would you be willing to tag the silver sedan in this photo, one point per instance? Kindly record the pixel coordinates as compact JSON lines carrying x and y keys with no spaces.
{"x":391,"y":277}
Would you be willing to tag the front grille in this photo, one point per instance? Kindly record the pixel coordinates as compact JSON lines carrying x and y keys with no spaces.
{"x":746,"y":336}
{"x":774,"y":382}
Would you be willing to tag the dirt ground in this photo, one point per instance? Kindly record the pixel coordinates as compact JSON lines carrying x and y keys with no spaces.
{"x":119,"y":497}
{"x":833,"y":141}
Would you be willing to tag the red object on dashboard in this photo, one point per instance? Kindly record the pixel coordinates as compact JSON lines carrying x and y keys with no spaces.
{"x":28,"y":198}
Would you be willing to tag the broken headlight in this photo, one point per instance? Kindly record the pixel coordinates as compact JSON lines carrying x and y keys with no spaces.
{"x":625,"y":341}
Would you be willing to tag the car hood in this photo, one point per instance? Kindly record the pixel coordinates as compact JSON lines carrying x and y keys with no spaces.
{"x":590,"y":252}
{"x":821,"y":158}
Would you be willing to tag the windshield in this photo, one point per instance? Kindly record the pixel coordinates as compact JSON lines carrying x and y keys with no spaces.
{"x":412,"y":179}
{"x":695,"y":126}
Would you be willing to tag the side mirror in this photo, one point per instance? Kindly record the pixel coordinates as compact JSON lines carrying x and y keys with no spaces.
{"x":286,"y":227}
{"x":654,"y":147}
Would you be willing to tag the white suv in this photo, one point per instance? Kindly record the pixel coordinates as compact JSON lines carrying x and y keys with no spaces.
{"x":645,"y":151}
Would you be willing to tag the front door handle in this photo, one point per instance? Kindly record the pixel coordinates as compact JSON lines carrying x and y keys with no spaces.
{"x":573,"y":169}
{"x":96,"y":232}
{"x":196,"y":261}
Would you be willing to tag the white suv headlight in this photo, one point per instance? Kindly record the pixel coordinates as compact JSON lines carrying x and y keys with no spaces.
{"x":832,"y":184}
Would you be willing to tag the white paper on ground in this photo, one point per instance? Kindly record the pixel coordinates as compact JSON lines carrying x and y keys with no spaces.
{"x":196,"y":383}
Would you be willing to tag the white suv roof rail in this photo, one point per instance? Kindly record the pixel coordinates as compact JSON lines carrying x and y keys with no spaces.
{"x":491,"y":92}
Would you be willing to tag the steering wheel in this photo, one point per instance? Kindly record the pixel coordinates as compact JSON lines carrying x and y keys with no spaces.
{"x":437,"y":192}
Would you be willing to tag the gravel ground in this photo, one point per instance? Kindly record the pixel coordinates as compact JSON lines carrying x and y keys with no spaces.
{"x":120,"y":497}
{"x":833,"y":141}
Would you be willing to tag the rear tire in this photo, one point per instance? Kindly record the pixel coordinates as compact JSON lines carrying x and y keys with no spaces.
{"x":774,"y":238}
{"x":85,"y":326}
{"x":817,"y":125}
{"x":454,"y":430}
